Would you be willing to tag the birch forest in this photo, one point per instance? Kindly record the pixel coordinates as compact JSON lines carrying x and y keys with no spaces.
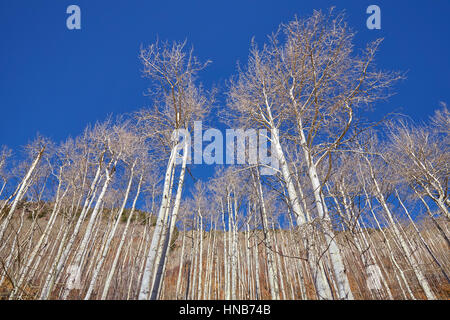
{"x":357,"y":209}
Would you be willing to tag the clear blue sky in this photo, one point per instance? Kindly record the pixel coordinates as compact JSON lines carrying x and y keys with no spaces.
{"x":55,"y":81}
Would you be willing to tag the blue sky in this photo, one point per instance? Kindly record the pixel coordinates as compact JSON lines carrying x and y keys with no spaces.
{"x":55,"y":81}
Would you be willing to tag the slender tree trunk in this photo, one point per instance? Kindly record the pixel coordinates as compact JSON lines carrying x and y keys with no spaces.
{"x":425,"y":244}
{"x":146,"y":277}
{"x":409,"y":254}
{"x":62,"y":257}
{"x":88,"y":232}
{"x":111,"y":235}
{"x":272,"y":273}
{"x":22,"y":190}
{"x":172,"y":223}
{"x":180,"y":268}
{"x":42,"y":240}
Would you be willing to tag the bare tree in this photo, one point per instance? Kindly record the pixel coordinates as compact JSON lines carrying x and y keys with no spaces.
{"x":178,"y":102}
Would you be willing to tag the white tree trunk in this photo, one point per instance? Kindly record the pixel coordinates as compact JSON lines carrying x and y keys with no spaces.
{"x":43,"y":238}
{"x":88,"y":232}
{"x":110,"y":237}
{"x":144,"y":290}
{"x":22,"y":190}
{"x":409,"y":254}
{"x":172,"y":222}
{"x":337,"y":262}
{"x":66,"y":248}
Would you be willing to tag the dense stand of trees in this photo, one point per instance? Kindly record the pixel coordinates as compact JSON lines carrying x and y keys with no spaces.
{"x":354,"y":211}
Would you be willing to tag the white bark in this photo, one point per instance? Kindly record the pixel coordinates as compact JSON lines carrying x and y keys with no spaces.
{"x":110,"y":237}
{"x":149,"y":264}
{"x":42,"y":240}
{"x":89,"y":228}
{"x":66,"y":248}
{"x":22,"y":190}
{"x":337,"y":262}
{"x":172,"y":222}
{"x":409,"y":254}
